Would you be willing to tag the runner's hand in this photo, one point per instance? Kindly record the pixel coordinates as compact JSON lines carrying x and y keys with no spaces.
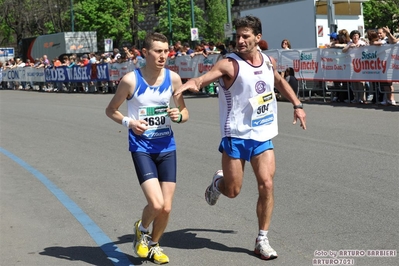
{"x":174,"y":114}
{"x":139,"y":126}
{"x":189,"y":85}
{"x":301,"y":115}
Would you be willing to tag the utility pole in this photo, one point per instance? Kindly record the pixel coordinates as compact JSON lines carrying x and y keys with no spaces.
{"x":170,"y":24}
{"x":331,"y":16}
{"x":228,"y":8}
{"x":135,"y":23}
{"x":192,"y":15}
{"x":72,"y":18}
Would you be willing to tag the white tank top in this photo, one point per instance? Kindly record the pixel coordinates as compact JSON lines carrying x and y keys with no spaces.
{"x":248,"y":109}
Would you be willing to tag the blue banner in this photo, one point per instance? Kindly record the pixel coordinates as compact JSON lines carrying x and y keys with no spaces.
{"x":91,"y":72}
{"x":6,"y":52}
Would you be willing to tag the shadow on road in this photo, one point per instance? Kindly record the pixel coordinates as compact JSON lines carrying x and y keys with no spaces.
{"x":181,"y":239}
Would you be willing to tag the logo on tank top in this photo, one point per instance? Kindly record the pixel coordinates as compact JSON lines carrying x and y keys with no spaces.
{"x":260,"y":87}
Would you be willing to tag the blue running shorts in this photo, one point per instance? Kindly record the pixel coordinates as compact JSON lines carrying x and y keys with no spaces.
{"x":244,"y":148}
{"x":155,"y":165}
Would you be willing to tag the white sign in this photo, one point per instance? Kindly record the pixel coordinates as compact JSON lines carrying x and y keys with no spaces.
{"x":228,"y":30}
{"x":194,"y":34}
{"x":108,"y":45}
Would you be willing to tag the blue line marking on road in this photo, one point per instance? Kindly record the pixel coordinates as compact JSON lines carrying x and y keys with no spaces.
{"x":113,"y":253}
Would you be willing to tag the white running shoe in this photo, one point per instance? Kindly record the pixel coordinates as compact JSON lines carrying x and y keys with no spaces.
{"x":211,"y":192}
{"x":263,"y":248}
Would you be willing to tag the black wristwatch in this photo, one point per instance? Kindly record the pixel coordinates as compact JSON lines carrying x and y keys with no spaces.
{"x":299,"y":106}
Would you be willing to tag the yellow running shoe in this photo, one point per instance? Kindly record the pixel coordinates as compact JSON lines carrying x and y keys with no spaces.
{"x":157,"y":256}
{"x":140,"y":241}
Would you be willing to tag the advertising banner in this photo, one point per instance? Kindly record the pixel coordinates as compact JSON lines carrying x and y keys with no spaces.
{"x":370,"y":63}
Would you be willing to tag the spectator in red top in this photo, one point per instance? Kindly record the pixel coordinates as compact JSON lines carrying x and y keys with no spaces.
{"x":84,"y":61}
{"x":56,"y":62}
{"x":172,"y":52}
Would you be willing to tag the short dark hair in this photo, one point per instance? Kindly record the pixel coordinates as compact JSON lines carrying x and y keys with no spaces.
{"x":290,"y":71}
{"x":355,"y":32}
{"x":372,"y":35}
{"x":249,"y":21}
{"x":152,"y":37}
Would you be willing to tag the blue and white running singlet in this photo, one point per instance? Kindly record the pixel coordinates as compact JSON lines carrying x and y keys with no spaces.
{"x":150,"y":103}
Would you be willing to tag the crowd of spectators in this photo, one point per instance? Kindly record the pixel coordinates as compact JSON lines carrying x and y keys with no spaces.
{"x":363,"y":92}
{"x":203,"y":48}
{"x":128,"y":55}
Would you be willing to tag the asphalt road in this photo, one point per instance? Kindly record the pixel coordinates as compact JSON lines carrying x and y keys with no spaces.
{"x":69,"y":193}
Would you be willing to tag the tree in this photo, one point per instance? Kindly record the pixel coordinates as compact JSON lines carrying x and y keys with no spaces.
{"x":26,"y":18}
{"x":379,"y":13}
{"x":181,"y":20}
{"x":217,"y":16}
{"x":109,"y":18}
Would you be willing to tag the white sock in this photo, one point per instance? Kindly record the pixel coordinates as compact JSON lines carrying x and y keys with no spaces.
{"x":216,"y":185}
{"x":142,"y":229}
{"x":262,"y":234}
{"x":152,"y":243}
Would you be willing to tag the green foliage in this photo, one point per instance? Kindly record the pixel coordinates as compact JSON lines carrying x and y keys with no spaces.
{"x":379,"y":13}
{"x":217,"y":17}
{"x":181,"y":20}
{"x":5,"y":33}
{"x":110,"y":18}
{"x":141,"y":34}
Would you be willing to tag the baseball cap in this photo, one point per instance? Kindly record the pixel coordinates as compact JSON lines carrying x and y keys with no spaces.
{"x":334,"y":35}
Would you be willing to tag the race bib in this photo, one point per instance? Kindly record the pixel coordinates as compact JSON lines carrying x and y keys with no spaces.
{"x":262,"y":114}
{"x":158,"y":121}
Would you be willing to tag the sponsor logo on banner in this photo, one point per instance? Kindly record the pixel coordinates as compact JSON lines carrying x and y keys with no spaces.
{"x":306,"y":62}
{"x":206,"y":65}
{"x":171,"y":64}
{"x":369,"y":62}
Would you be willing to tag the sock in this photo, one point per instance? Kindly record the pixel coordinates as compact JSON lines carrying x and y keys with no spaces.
{"x":262,"y":234}
{"x":216,"y":185}
{"x":142,"y":229}
{"x":152,"y":243}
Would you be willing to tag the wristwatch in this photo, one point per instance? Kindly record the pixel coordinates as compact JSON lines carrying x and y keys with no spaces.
{"x":299,"y":106}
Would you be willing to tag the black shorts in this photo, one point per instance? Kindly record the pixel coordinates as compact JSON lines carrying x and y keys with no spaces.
{"x":155,"y":165}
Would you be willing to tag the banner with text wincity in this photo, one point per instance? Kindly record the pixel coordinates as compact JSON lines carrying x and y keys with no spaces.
{"x":369,"y":63}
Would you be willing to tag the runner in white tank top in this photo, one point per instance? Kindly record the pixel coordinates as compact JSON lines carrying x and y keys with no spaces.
{"x":248,"y":108}
{"x":248,"y":117}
